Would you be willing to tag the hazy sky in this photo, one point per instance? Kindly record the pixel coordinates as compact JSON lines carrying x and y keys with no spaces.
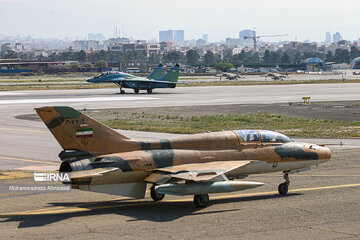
{"x":304,"y":19}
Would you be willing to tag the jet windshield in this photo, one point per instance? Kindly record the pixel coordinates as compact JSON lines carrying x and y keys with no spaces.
{"x":264,"y":135}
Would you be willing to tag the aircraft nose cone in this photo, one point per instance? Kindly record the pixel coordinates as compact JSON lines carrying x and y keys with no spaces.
{"x":324,"y":153}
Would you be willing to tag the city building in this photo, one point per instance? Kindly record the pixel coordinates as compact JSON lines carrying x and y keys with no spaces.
{"x":246,"y":33}
{"x":85,"y":45}
{"x":153,"y":48}
{"x":128,"y":47}
{"x":133,"y":66}
{"x":166,"y":46}
{"x":337,"y":37}
{"x":200,"y":42}
{"x":232,"y":41}
{"x":328,"y":38}
{"x":179,"y":36}
{"x":6,"y":47}
{"x":174,"y":36}
{"x":205,"y":38}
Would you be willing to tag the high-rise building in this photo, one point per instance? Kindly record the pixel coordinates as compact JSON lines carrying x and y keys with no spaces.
{"x":328,"y":38}
{"x":205,"y":38}
{"x":337,"y":37}
{"x":179,"y":36}
{"x":171,"y":36}
{"x":246,"y":33}
{"x":200,"y":42}
{"x":166,"y":36}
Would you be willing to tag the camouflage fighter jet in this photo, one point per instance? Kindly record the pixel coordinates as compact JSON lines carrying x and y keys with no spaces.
{"x":276,"y":76}
{"x":229,"y":76}
{"x":100,"y":159}
{"x":156,"y":79}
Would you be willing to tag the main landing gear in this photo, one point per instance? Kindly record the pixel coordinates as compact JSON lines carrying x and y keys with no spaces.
{"x":201,"y":200}
{"x":155,"y":195}
{"x":284,"y":187}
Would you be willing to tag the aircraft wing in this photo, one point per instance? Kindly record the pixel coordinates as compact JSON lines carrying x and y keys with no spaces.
{"x":198,"y":172}
{"x":129,"y":77}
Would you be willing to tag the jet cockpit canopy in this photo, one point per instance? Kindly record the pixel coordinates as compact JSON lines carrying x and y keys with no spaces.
{"x":263,"y":136}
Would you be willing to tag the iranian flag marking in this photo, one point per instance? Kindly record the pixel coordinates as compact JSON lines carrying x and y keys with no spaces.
{"x":86,"y":132}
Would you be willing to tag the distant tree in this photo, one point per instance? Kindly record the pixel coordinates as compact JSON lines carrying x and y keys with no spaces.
{"x":329,"y":57}
{"x":88,"y":65}
{"x":298,"y":58}
{"x":154,"y":58}
{"x":354,"y":52}
{"x":129,"y":55}
{"x":285,"y":59}
{"x":81,"y":56}
{"x":342,"y":56}
{"x":192,"y":57}
{"x":10,"y":54}
{"x":237,"y":59}
{"x":275,"y":58}
{"x":100,"y":64}
{"x":253,"y":59}
{"x":75,"y":65}
{"x":224,"y":66}
{"x":227,"y":55}
{"x":266,"y":57}
{"x":209,"y":58}
{"x":174,"y":57}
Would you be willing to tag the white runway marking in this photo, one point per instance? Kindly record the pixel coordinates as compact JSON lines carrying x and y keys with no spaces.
{"x":11,"y":93}
{"x":66,"y":100}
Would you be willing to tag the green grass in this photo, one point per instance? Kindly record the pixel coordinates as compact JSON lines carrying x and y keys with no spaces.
{"x":291,"y":126}
{"x":63,"y":84}
{"x":271,"y":82}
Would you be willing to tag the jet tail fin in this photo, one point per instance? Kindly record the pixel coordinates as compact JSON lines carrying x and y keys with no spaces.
{"x":172,"y":75}
{"x":76,"y":131}
{"x":157,"y":73}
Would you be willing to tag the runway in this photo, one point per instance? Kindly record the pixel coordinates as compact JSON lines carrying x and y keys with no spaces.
{"x":185,"y":96}
{"x":323,"y":203}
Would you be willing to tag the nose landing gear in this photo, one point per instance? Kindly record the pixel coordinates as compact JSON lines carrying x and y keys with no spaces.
{"x":284,"y":187}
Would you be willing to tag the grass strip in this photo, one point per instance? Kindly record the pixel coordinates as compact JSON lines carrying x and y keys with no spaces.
{"x":290,"y":126}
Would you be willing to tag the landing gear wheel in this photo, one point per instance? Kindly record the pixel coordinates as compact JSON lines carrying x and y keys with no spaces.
{"x":136,"y":91}
{"x":149,"y":91}
{"x":201,"y":200}
{"x":283,"y":188}
{"x":156,"y":196}
{"x":122,"y":92}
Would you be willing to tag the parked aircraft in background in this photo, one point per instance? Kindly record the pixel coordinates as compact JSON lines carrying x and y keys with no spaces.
{"x":156,"y":79}
{"x":229,"y":76}
{"x":276,"y":76}
{"x":100,"y":159}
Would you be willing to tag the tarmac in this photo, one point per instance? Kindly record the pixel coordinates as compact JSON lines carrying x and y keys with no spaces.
{"x":322,"y":203}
